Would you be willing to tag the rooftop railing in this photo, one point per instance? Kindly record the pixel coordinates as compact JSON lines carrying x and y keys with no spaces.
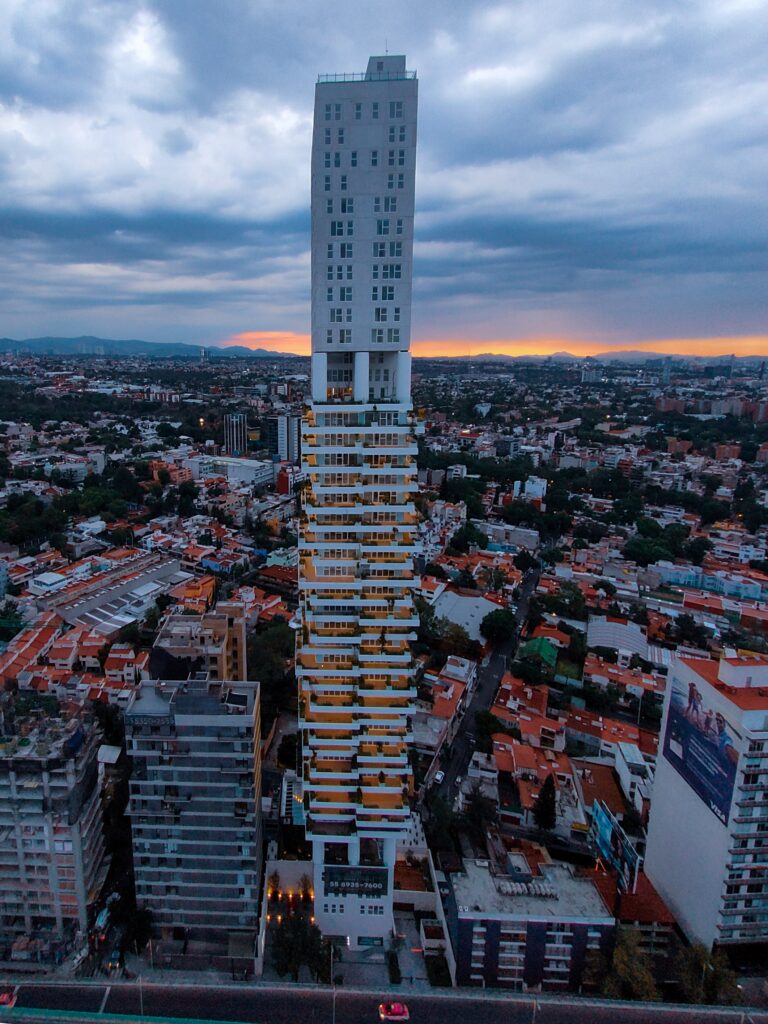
{"x":365,"y":76}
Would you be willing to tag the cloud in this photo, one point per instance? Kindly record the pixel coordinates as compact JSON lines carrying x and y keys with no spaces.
{"x":589,"y":172}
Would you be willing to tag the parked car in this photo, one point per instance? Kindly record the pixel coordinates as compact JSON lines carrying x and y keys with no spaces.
{"x":7,"y":998}
{"x":439,"y":777}
{"x":393,"y":1012}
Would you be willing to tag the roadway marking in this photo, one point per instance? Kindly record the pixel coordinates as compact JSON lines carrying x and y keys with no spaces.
{"x":106,"y":997}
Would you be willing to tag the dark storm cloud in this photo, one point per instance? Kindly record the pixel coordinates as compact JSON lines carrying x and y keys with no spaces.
{"x":595,"y":168}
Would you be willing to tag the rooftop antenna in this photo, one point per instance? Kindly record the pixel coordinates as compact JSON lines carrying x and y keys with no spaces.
{"x":386,"y":45}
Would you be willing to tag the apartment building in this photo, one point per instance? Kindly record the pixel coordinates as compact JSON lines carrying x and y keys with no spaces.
{"x":213,"y":643}
{"x":195,"y":804}
{"x":707,"y":851}
{"x":359,"y":523}
{"x":52,"y":860}
{"x":235,"y":433}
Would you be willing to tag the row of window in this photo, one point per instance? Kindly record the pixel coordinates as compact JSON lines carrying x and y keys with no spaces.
{"x":395,"y":158}
{"x":343,"y":314}
{"x":339,"y":227}
{"x":383,"y":293}
{"x":396,"y":110}
{"x":347,"y":205}
{"x":378,"y":335}
{"x":396,"y":134}
{"x":393,"y":180}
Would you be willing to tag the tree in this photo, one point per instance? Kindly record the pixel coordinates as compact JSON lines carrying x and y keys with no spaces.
{"x":630,"y":975}
{"x":696,"y":549}
{"x":297,"y":943}
{"x":704,"y":977}
{"x":524,"y":561}
{"x":479,"y":813}
{"x":545,"y":808}
{"x":498,"y":626}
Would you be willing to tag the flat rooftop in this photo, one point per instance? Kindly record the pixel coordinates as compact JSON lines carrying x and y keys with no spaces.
{"x":478,"y":893}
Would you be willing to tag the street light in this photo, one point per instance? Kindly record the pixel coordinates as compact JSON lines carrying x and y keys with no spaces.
{"x":141,"y":999}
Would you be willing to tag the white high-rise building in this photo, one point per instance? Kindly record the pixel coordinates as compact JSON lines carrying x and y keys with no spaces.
{"x":358,"y":530}
{"x":236,"y":433}
{"x":707,"y":851}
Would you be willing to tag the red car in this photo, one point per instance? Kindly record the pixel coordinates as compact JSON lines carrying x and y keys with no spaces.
{"x":8,"y":998}
{"x":393,"y":1012}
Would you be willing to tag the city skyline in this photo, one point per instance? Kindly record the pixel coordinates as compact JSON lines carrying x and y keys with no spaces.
{"x":586,"y":180}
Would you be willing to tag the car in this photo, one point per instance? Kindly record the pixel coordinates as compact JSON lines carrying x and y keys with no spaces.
{"x":115,"y":961}
{"x":439,"y":776}
{"x":8,"y":998}
{"x":393,"y":1012}
{"x":458,"y":780}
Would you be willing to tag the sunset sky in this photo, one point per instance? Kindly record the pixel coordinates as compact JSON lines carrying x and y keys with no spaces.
{"x":590,"y":176}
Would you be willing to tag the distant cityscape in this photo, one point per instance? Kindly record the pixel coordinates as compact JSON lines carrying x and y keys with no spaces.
{"x":363,"y":670}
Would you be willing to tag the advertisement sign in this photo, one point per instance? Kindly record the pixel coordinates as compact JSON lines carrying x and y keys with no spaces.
{"x":342,"y":880}
{"x":702,"y":745}
{"x":614,"y":846}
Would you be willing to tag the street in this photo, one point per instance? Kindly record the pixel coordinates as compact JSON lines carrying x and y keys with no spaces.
{"x":488,"y":677}
{"x":286,"y":1004}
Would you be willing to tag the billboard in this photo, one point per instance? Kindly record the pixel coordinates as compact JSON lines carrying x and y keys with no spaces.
{"x":343,"y":880}
{"x":702,"y":745}
{"x":614,"y":846}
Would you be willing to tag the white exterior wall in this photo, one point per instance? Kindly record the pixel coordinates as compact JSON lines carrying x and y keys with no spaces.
{"x":358,"y":529}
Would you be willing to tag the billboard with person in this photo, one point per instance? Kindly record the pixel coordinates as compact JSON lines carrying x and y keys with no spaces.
{"x":702,"y":746}
{"x":614,"y":847}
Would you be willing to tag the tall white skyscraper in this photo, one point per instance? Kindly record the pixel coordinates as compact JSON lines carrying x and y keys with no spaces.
{"x":358,"y":531}
{"x":236,"y":433}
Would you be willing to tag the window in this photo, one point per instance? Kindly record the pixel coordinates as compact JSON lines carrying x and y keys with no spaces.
{"x":350,"y":227}
{"x":345,"y":251}
{"x":328,"y":336}
{"x":390,"y":204}
{"x":401,"y":181}
{"x":393,"y":335}
{"x":377,"y":335}
{"x":395,"y":108}
{"x":400,"y":158}
{"x":390,"y":181}
{"x":391,"y":158}
{"x":337,"y":228}
{"x":377,"y":204}
{"x":329,"y":206}
{"x":345,"y":294}
{"x":379,"y":250}
{"x":396,"y":316}
{"x":353,"y":158}
{"x":399,"y":227}
{"x":380,"y":314}
{"x":345,"y":336}
{"x":327,"y":159}
{"x":327,"y":138}
{"x":348,"y":315}
{"x":327,"y":183}
{"x":337,"y":159}
{"x":382,"y":227}
{"x":395,"y":248}
{"x":375,"y":111}
{"x":329,"y":274}
{"x":391,"y":271}
{"x":327,"y":111}
{"x":347,"y":205}
{"x":374,"y":158}
{"x":358,"y":111}
{"x":337,"y":111}
{"x":343,"y":183}
{"x":329,"y":293}
{"x":330,"y":250}
{"x":340,"y":136}
{"x":336,"y":315}
{"x":387,"y":292}
{"x":375,"y":293}
{"x":375,"y":271}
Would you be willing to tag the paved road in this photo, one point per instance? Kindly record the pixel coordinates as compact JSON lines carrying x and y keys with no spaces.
{"x":455,"y":763}
{"x":287,"y":1005}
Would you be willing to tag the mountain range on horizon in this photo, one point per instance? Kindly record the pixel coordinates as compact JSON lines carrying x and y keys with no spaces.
{"x":88,"y":345}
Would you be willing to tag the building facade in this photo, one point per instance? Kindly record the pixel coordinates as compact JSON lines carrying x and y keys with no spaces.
{"x":284,"y":436}
{"x":707,"y":851}
{"x":195,"y":805}
{"x":52,"y":859}
{"x":359,"y":523}
{"x":235,"y":434}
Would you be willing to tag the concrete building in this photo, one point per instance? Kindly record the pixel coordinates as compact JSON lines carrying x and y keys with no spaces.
{"x":358,"y":529}
{"x":528,"y":927}
{"x":235,"y":433}
{"x":195,"y":805}
{"x":52,"y":861}
{"x":213,"y":643}
{"x":284,"y":437}
{"x":707,"y":851}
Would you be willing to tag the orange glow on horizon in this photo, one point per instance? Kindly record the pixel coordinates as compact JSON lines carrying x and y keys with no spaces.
{"x":745,"y":345}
